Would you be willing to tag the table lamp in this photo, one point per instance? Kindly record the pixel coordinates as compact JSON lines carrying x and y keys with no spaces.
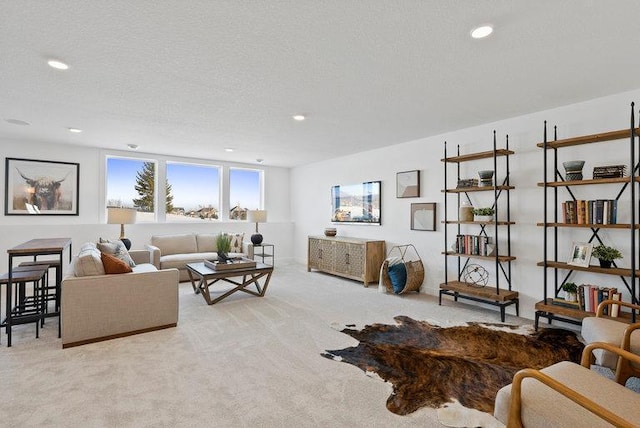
{"x":257,"y":216}
{"x":122,"y":216}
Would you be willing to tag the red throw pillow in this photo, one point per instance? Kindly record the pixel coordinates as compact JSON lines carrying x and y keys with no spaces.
{"x":112,"y":264}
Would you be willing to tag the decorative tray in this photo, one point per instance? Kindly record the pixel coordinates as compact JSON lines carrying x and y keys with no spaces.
{"x":231,"y":264}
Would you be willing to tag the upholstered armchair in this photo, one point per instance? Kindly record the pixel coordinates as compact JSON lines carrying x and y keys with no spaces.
{"x":609,"y":330}
{"x":569,"y":395}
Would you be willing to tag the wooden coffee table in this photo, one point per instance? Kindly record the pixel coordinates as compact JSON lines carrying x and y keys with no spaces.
{"x":207,"y":277}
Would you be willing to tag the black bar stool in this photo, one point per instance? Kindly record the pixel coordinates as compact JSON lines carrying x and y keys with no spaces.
{"x":52,"y":291}
{"x":23,"y":309}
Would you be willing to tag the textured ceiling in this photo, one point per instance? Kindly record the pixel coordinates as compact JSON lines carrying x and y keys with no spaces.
{"x":190,"y":78}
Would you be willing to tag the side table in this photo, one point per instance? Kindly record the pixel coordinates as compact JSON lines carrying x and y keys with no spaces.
{"x":265,"y":252}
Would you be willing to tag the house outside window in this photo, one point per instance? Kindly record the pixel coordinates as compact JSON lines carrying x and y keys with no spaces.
{"x":245,"y":192}
{"x":195,"y":191}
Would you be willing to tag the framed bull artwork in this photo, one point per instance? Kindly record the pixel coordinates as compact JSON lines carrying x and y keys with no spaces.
{"x":38,"y":187}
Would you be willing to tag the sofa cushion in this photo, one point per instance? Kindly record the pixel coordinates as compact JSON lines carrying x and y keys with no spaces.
{"x":88,"y":261}
{"x":175,"y":244}
{"x":113,"y":265}
{"x":144,"y":267}
{"x":117,"y":249}
{"x":179,"y":261}
{"x":207,"y":242}
{"x":236,"y":242}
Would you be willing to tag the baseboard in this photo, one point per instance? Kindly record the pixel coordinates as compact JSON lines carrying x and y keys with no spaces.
{"x":116,"y":336}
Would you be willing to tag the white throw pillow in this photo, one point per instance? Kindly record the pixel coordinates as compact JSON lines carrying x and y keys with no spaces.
{"x":117,"y":248}
{"x":88,"y":261}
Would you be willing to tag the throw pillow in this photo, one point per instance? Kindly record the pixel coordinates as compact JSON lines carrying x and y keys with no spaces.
{"x":236,"y":242}
{"x":398,"y":276}
{"x":88,"y":262}
{"x":112,"y":264}
{"x":116,"y":248}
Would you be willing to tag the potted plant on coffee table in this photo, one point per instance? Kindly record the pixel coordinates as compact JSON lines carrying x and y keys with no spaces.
{"x":483,"y":214}
{"x":570,"y":289}
{"x":223,"y":246}
{"x":606,"y":255}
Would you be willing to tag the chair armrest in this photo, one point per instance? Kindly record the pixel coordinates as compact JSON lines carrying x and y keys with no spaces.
{"x":608,"y":302}
{"x":515,"y":417}
{"x":140,"y":256}
{"x":155,"y":255}
{"x":626,"y":340}
{"x":588,"y":350}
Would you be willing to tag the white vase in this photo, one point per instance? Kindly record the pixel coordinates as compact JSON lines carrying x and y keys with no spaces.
{"x":483,"y":218}
{"x":570,"y":297}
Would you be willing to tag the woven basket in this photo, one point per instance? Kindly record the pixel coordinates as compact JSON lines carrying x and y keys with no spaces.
{"x":413,"y":264}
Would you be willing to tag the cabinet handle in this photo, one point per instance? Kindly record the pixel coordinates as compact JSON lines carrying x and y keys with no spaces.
{"x":347,"y":257}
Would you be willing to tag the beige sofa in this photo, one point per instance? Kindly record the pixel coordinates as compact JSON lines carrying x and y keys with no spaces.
{"x":175,"y":251}
{"x":102,"y":307}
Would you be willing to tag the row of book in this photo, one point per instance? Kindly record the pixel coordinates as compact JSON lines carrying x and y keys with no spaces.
{"x":590,"y":296}
{"x":477,"y":245}
{"x":609,"y":171}
{"x":467,"y":182}
{"x":598,"y":211}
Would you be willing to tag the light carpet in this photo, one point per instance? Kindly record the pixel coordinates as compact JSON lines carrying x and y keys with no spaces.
{"x":246,"y":361}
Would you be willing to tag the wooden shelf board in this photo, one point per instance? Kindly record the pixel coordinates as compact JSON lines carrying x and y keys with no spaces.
{"x":472,"y":256}
{"x":589,"y":181}
{"x":547,"y":306}
{"x":591,"y":226}
{"x":596,"y":269}
{"x":477,"y":189}
{"x":487,"y":292}
{"x":587,"y":139}
{"x":500,"y":223}
{"x":476,"y":156}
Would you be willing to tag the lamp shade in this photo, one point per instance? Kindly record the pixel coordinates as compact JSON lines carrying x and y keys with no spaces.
{"x":257,"y":216}
{"x":121,"y":215}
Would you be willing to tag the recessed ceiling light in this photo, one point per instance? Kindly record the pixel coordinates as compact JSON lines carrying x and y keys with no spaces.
{"x":75,"y":130}
{"x":259,"y":160}
{"x":299,"y":117}
{"x":17,"y":122}
{"x":481,"y":32}
{"x":132,"y":146}
{"x":228,"y":149}
{"x":54,"y":63}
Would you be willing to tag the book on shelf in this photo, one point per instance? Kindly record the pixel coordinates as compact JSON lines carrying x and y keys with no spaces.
{"x":609,"y":171}
{"x":615,"y":308}
{"x":559,"y":301}
{"x":590,"y":296}
{"x":598,"y":211}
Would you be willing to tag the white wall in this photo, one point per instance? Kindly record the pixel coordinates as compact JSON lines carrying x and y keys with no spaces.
{"x":89,"y":225}
{"x":311,"y":184}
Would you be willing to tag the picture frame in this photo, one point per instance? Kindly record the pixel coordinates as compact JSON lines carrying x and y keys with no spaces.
{"x":41,"y":187}
{"x":580,"y":254}
{"x":408,"y":184}
{"x":423,"y":216}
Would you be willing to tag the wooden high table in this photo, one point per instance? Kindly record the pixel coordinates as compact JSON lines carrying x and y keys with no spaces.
{"x":208,"y":277}
{"x":35,"y":248}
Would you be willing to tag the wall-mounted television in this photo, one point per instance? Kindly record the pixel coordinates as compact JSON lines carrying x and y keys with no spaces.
{"x":356,"y":203}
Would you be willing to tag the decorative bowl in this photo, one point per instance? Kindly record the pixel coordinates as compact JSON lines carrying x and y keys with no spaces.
{"x":573,"y":176}
{"x":573,"y":166}
{"x":486,"y":174}
{"x":330,"y":231}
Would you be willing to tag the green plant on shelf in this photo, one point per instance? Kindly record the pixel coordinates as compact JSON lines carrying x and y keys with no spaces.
{"x":606,"y":253}
{"x":569,"y":287}
{"x":483,"y":211}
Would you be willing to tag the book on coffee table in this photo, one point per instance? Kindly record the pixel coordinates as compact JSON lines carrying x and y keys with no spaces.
{"x":241,"y":263}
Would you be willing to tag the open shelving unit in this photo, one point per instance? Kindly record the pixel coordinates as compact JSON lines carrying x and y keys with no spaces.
{"x":552,"y":226}
{"x":498,"y":295}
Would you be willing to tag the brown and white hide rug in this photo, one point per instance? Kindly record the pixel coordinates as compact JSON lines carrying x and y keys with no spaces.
{"x":431,"y":366}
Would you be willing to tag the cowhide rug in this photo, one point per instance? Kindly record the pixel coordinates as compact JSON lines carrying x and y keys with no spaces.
{"x":432,"y":366}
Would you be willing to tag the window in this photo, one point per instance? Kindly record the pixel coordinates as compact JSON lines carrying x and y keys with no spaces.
{"x":131,"y":183}
{"x":193,"y":192}
{"x":244,"y":192}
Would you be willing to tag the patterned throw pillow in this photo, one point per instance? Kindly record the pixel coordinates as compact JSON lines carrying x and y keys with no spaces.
{"x":116,"y":248}
{"x":236,"y":242}
{"x":112,"y":264}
